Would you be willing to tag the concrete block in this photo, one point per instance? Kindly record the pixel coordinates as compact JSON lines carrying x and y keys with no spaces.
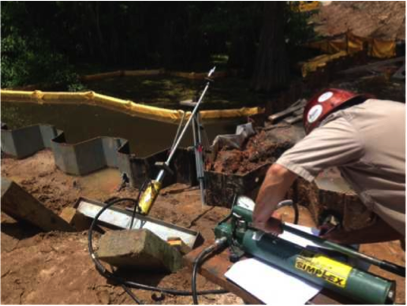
{"x":139,"y":249}
{"x":20,"y":205}
{"x":77,"y":220}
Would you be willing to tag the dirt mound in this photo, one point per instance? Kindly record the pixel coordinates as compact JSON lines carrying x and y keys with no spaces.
{"x":376,"y":19}
{"x":263,"y":148}
{"x":41,"y":178}
{"x":55,"y":268}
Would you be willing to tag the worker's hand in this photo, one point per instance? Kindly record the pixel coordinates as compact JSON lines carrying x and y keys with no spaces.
{"x":271,"y":226}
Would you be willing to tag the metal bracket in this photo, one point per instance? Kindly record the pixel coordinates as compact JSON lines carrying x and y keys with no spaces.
{"x":164,"y":166}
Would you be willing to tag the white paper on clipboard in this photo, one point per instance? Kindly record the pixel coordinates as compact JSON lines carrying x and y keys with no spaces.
{"x":271,"y":285}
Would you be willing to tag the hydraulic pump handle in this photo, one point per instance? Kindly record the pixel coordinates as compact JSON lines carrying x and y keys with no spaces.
{"x":385,"y":265}
{"x":393,"y":268}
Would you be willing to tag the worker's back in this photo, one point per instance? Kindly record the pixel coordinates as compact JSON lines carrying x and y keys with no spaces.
{"x":367,"y":143}
{"x":379,"y":175}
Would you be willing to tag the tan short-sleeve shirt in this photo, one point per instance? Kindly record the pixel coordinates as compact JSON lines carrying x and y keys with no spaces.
{"x":367,"y":144}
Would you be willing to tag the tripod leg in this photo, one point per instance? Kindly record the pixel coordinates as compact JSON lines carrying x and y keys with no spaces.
{"x":199,"y":159}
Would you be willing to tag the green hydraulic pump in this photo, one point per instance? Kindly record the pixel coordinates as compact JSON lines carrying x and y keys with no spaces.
{"x":311,"y":265}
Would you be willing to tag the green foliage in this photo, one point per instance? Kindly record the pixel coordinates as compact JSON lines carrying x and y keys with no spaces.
{"x":298,"y":29}
{"x":46,"y":42}
{"x":27,"y":57}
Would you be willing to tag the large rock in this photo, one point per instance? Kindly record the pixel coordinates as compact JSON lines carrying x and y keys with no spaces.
{"x":139,"y":249}
{"x":20,"y":205}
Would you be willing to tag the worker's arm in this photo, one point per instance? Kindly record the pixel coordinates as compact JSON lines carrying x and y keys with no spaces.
{"x":379,"y":231}
{"x":277,"y":182}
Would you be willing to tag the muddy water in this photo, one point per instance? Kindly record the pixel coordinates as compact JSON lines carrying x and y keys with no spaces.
{"x":82,"y":122}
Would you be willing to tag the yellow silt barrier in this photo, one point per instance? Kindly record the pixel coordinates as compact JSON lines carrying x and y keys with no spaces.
{"x":100,"y":76}
{"x":120,"y":73}
{"x":155,"y":72}
{"x":351,"y":43}
{"x":189,"y":75}
{"x":45,"y":97}
{"x":125,"y":106}
{"x":143,"y":72}
{"x":155,"y":113}
{"x":132,"y":108}
{"x":382,"y":49}
{"x":319,"y":61}
{"x":16,"y":95}
{"x":111,"y":101}
{"x":67,"y":97}
{"x":197,"y":76}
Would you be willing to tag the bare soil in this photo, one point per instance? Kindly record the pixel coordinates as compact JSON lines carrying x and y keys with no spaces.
{"x":259,"y":150}
{"x":55,"y":267}
{"x":377,"y":19}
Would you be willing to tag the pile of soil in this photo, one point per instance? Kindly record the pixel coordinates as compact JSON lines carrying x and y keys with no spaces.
{"x":376,"y":19}
{"x":260,"y":149}
{"x":41,"y":178}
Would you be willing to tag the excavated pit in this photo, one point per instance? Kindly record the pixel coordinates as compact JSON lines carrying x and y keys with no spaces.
{"x":55,"y":268}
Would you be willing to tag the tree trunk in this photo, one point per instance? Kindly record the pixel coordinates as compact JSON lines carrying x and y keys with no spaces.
{"x":271,"y":70}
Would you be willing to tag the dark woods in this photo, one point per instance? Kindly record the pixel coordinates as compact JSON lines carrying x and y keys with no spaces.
{"x":56,"y":41}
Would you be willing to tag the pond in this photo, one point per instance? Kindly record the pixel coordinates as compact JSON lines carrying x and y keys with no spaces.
{"x":82,"y":122}
{"x":167,"y":91}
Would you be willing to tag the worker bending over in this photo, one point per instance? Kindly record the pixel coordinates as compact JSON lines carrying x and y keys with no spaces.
{"x":365,"y":139}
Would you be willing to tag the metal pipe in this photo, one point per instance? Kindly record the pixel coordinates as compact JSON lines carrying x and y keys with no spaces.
{"x":178,"y":129}
{"x":161,"y":174}
{"x":199,"y":159}
{"x":187,"y":124}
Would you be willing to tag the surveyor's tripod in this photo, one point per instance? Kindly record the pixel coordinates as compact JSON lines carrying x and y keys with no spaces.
{"x":148,"y":196}
{"x":197,"y":127}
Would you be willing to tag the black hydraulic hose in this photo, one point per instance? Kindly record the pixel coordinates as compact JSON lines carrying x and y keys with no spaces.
{"x":194,"y":271}
{"x":104,"y":272}
{"x":294,"y":206}
{"x":128,"y":291}
{"x":219,"y":243}
{"x":99,"y":266}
